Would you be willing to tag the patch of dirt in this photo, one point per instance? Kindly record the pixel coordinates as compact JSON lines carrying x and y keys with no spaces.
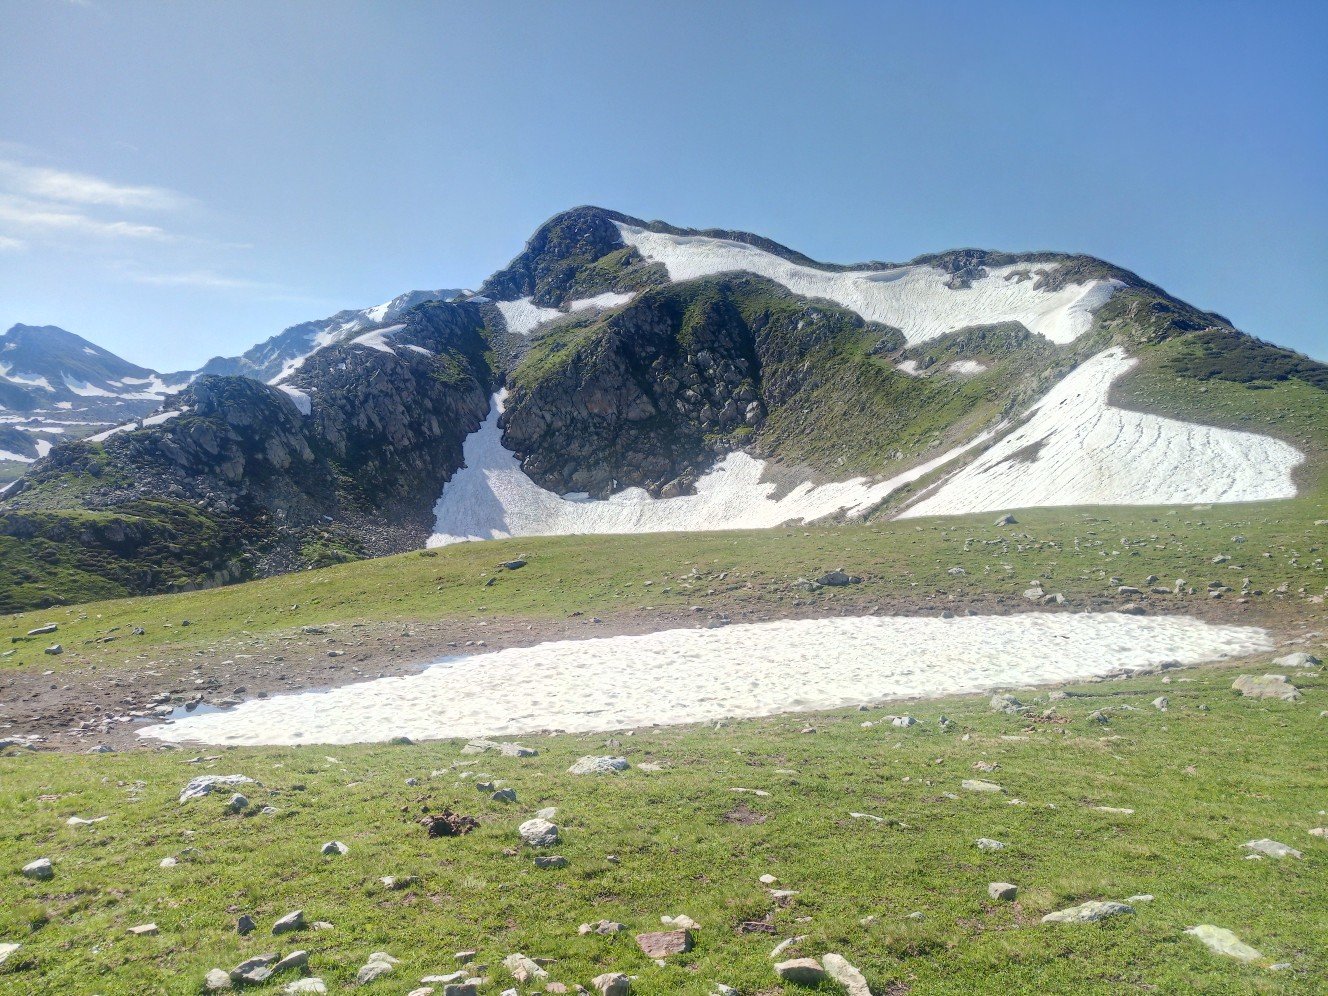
{"x":448,"y":824}
{"x":744,"y":816}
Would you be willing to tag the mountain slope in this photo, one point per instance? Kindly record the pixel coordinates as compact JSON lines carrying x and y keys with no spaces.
{"x":622,"y":376}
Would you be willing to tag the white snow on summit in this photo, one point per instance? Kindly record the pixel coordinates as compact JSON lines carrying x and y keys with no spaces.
{"x":913,"y":299}
{"x":492,"y":497}
{"x":522,"y":316}
{"x":1076,"y":449}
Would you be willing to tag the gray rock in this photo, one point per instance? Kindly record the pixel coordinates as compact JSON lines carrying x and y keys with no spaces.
{"x":838,"y":968}
{"x":207,"y":784}
{"x":144,"y":930}
{"x":987,"y":844}
{"x":1224,"y":942}
{"x":523,"y":969}
{"x":837,"y":579}
{"x":1006,"y":703}
{"x":662,"y":943}
{"x":1006,"y":520}
{"x":1004,"y":891}
{"x":551,"y":861}
{"x":237,"y":803}
{"x":216,"y":980}
{"x":801,"y":971}
{"x":254,"y":970}
{"x":1160,"y":703}
{"x":978,"y":785}
{"x":539,"y":833}
{"x":504,"y":795}
{"x":612,"y":984}
{"x":1269,"y":686}
{"x":1272,"y":848}
{"x":245,"y":925}
{"x":903,"y":721}
{"x":1298,"y":659}
{"x":380,"y":963}
{"x":1089,"y":912}
{"x":291,"y":921}
{"x":601,"y":927}
{"x":599,"y":766}
{"x":39,"y":870}
{"x":313,"y":984}
{"x":55,"y":650}
{"x":296,"y":959}
{"x":334,"y":847}
{"x":43,"y":630}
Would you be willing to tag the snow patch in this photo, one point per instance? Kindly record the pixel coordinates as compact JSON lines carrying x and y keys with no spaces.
{"x":521,"y":316}
{"x":27,"y":380}
{"x":302,"y":400}
{"x":967,"y":367}
{"x":492,"y":497}
{"x":151,"y":420}
{"x":702,"y":675}
{"x":608,"y":299}
{"x":913,"y":299}
{"x":1076,"y":449}
{"x":377,"y":339}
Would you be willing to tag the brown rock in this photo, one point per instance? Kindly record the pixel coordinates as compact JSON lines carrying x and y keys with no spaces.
{"x":662,"y":943}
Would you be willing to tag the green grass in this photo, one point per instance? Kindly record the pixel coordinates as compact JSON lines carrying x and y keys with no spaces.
{"x":1201,"y":783}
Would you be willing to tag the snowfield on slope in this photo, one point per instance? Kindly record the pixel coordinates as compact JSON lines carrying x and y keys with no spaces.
{"x":913,"y":299}
{"x":1076,"y":449}
{"x":491,"y":497}
{"x":702,"y":675}
{"x":523,"y":316}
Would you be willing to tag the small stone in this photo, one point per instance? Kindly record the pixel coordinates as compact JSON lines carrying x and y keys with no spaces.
{"x":978,"y":785}
{"x":144,"y":930}
{"x":1089,"y":912}
{"x":1006,"y":703}
{"x":504,"y":795}
{"x":313,"y":984}
{"x":245,"y":925}
{"x":550,"y":861}
{"x":838,"y":968}
{"x":39,"y":870}
{"x":291,"y":921}
{"x":599,"y":766}
{"x":216,"y":980}
{"x":1224,"y":942}
{"x":1298,"y":659}
{"x":398,"y":882}
{"x":1160,"y":703}
{"x":296,"y":959}
{"x":987,"y":844}
{"x":539,"y":833}
{"x":662,"y":943}
{"x":680,"y":922}
{"x":334,"y":847}
{"x":1269,"y":686}
{"x":612,"y":984}
{"x":372,"y":970}
{"x":801,"y":971}
{"x":1272,"y":848}
{"x":1004,"y":891}
{"x":523,"y":969}
{"x":601,"y":927}
{"x":237,"y":803}
{"x":254,"y":970}
{"x":167,"y":863}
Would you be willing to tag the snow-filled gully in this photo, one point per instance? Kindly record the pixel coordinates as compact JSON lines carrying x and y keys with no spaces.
{"x":700,"y":675}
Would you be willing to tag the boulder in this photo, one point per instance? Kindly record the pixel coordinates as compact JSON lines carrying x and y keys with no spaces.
{"x":39,"y":870}
{"x":1090,"y":912}
{"x":599,"y":766}
{"x":612,"y":984}
{"x":1004,"y":891}
{"x":1268,"y":686}
{"x":523,"y":969}
{"x":662,"y":943}
{"x":1223,"y":942}
{"x":539,"y":833}
{"x":1272,"y":848}
{"x":838,"y":968}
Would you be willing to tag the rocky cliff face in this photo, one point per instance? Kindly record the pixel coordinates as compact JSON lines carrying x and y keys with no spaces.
{"x":356,"y":476}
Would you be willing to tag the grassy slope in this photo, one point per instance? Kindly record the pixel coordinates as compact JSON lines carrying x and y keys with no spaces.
{"x":1201,"y":783}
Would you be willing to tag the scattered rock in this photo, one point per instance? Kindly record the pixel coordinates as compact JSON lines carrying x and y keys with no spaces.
{"x":601,"y":927}
{"x":380,"y":963}
{"x":1272,"y":848}
{"x":40,"y":870}
{"x":1006,"y":520}
{"x":207,"y":784}
{"x":599,"y":766}
{"x":539,"y":833}
{"x":1298,"y":659}
{"x":143,"y":930}
{"x":987,"y":844}
{"x":1269,"y":686}
{"x":1160,"y":703}
{"x":43,"y":630}
{"x":551,"y":861}
{"x":523,"y":969}
{"x":313,"y":984}
{"x":245,"y":925}
{"x":395,"y":883}
{"x":1089,"y":912}
{"x":217,"y":980}
{"x":1006,"y":703}
{"x":296,"y":959}
{"x":1224,"y":942}
{"x":978,"y":785}
{"x":334,"y":847}
{"x":662,"y":943}
{"x":612,"y":984}
{"x":237,"y":803}
{"x":801,"y":971}
{"x":1004,"y":891}
{"x":291,"y":921}
{"x":254,"y":970}
{"x":839,"y":969}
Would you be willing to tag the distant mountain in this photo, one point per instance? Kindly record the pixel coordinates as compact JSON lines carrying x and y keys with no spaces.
{"x":42,"y":366}
{"x":621,"y":375}
{"x":279,"y":356}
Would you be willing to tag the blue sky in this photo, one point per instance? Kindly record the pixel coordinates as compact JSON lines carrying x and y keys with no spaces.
{"x":179,"y":180}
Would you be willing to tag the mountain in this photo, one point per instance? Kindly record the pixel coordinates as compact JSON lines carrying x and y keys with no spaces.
{"x":623,"y":376}
{"x":279,"y":356}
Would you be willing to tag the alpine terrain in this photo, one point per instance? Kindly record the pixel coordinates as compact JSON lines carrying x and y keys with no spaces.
{"x":674,"y":615}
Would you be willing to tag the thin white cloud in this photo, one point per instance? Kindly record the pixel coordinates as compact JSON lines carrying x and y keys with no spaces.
{"x":201,"y":278}
{"x":8,"y":244}
{"x":79,"y":188}
{"x":43,"y":218}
